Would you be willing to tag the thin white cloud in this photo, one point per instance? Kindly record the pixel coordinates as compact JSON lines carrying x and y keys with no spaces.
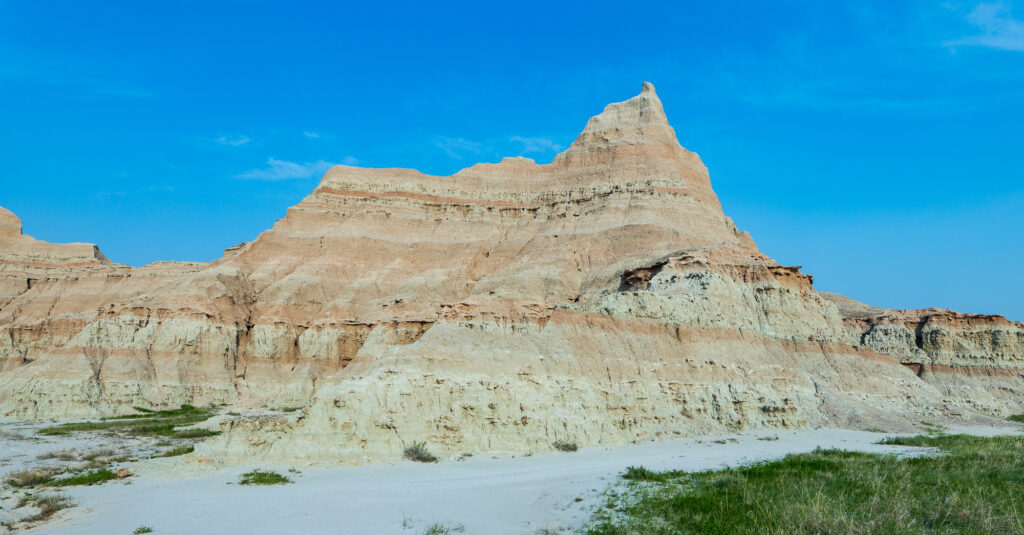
{"x":999,"y":28}
{"x":285,"y":170}
{"x":458,"y":147}
{"x":312,"y":135}
{"x":234,"y":141}
{"x":536,"y":144}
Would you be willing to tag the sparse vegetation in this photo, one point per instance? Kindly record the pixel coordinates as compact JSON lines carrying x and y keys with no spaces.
{"x":974,"y":487}
{"x":561,"y":445}
{"x":441,"y":529}
{"x":32,"y":477}
{"x":48,"y":505}
{"x":142,"y":529}
{"x":148,"y":422}
{"x":93,"y":477}
{"x":418,"y":452}
{"x":180,"y":450}
{"x":262,"y":477}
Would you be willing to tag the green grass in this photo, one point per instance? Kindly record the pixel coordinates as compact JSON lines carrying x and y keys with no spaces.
{"x":261,"y":477}
{"x":179,"y":450}
{"x":142,"y":529}
{"x":1017,"y":418}
{"x":93,"y":477}
{"x":149,"y":422}
{"x":975,"y":486}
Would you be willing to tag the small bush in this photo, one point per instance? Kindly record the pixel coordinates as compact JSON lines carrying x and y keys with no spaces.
{"x":1017,"y":418}
{"x":561,"y":445}
{"x":142,"y":529}
{"x":31,"y":478}
{"x":262,"y":477}
{"x":88,"y":478}
{"x":48,"y":504}
{"x":418,"y":452}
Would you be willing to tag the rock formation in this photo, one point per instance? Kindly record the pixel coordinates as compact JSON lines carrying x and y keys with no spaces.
{"x":975,"y":359}
{"x":601,"y":298}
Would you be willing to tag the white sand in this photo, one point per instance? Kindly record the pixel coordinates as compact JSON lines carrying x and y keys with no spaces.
{"x":482,"y":495}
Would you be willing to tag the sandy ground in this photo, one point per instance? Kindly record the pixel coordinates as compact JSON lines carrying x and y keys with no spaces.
{"x":519,"y":495}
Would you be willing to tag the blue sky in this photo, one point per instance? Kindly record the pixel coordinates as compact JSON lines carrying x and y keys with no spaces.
{"x":878,"y":144}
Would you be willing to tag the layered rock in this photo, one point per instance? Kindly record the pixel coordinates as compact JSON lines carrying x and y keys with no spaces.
{"x":601,"y":298}
{"x":976,"y":359}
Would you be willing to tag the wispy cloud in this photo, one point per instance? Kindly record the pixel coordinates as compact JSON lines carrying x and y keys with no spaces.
{"x":536,"y":144}
{"x":312,"y":135}
{"x":458,"y":148}
{"x":999,"y":28}
{"x":234,"y":141}
{"x":285,"y":170}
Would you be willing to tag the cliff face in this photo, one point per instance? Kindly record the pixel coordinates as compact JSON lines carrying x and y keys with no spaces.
{"x":975,"y":359}
{"x":601,"y":298}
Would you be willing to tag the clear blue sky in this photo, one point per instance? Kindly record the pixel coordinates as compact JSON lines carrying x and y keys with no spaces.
{"x":878,"y":144}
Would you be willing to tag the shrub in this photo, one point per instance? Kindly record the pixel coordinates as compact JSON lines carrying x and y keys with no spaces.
{"x":418,"y":452}
{"x":263,"y":477}
{"x":142,"y":529}
{"x":561,"y":445}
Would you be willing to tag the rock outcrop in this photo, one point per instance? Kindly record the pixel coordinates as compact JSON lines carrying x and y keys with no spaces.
{"x":975,"y":359}
{"x":602,"y":298}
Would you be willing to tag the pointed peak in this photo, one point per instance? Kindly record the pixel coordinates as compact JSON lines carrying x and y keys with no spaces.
{"x":10,"y":225}
{"x":640,"y":120}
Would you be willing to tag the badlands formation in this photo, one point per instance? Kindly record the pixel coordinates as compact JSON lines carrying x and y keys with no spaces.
{"x":602,"y":298}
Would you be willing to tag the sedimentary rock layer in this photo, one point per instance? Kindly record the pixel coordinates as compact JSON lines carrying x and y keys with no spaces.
{"x":975,"y":359}
{"x":601,"y":298}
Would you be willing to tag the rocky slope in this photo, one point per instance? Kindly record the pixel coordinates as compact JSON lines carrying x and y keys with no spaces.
{"x":975,"y":359}
{"x":601,"y":298}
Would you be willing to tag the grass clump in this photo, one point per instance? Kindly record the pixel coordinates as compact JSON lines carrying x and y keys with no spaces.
{"x":31,"y":477}
{"x":1017,"y":418}
{"x":562,"y":445}
{"x":180,"y":450}
{"x":47,"y":505}
{"x":975,"y":486}
{"x":418,"y":452}
{"x":148,"y":422}
{"x":93,"y":477}
{"x":142,"y":529}
{"x":262,"y":477}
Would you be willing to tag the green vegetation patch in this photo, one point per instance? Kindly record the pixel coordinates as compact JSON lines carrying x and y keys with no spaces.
{"x":142,"y":529}
{"x":180,"y":450}
{"x":93,"y":477}
{"x":975,"y":486}
{"x":261,"y":477}
{"x":148,"y":422}
{"x":1017,"y":418}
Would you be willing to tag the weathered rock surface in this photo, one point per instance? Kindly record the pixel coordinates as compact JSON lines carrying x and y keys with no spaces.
{"x":601,"y":298}
{"x":975,"y":359}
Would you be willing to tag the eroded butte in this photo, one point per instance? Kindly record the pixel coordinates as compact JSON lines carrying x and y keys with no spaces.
{"x":602,"y":298}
